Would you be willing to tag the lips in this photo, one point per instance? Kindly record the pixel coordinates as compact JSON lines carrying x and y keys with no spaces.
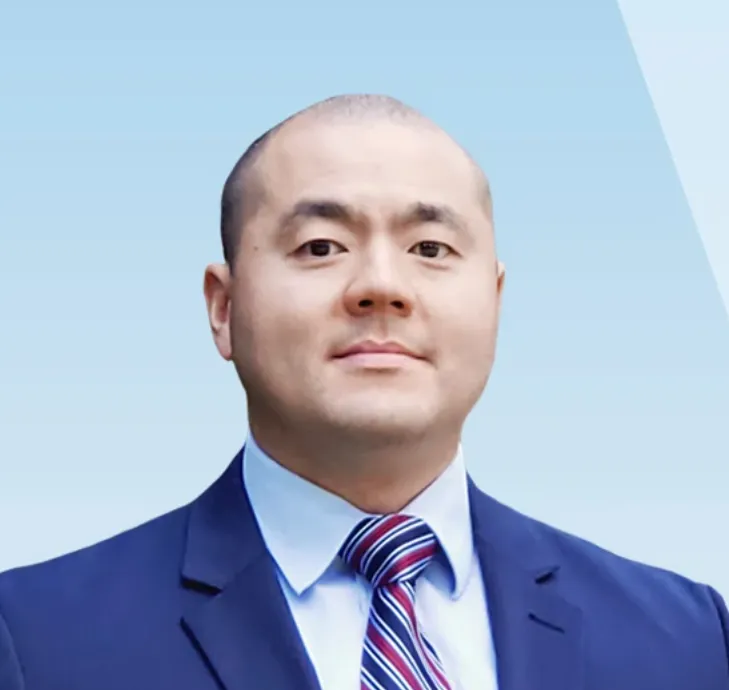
{"x":371,"y":347}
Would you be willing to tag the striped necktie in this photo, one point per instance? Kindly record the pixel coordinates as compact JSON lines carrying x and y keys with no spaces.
{"x":391,"y":552}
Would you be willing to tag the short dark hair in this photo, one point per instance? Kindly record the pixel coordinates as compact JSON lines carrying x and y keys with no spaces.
{"x":240,"y":197}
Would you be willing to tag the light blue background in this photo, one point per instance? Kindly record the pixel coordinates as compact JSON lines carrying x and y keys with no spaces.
{"x":683,"y":50}
{"x":607,"y":407}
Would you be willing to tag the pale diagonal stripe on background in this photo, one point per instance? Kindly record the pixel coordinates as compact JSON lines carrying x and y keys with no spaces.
{"x":682,"y":47}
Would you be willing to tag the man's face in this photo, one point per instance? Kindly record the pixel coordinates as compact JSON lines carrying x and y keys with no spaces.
{"x":369,"y":237}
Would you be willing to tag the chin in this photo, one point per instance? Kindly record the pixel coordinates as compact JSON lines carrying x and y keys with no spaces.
{"x":391,"y":420}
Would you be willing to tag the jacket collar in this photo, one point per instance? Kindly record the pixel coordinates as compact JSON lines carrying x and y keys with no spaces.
{"x":237,"y":616}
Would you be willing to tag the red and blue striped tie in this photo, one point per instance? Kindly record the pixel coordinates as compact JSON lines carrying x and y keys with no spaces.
{"x":391,"y":552}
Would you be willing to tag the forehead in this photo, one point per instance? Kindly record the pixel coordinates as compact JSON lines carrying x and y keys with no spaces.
{"x":371,"y":164}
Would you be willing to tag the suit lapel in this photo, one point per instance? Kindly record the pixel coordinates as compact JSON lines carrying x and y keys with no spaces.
{"x":235,"y":612}
{"x":237,"y":617}
{"x":537,"y":633}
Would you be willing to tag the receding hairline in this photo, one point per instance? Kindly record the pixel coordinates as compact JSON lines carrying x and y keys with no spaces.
{"x":244,"y":190}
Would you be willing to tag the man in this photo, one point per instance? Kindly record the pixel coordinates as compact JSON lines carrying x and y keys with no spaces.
{"x":346,"y":546}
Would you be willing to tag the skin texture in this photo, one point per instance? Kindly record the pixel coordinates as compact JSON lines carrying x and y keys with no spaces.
{"x":367,"y":229}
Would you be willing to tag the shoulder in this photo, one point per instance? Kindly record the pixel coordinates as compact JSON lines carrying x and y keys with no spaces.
{"x":144,"y":554}
{"x":596,"y":579}
{"x":104,"y":602}
{"x":593,"y":569}
{"x":642,"y":606}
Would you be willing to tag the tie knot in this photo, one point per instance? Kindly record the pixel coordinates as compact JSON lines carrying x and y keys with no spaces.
{"x":391,"y":548}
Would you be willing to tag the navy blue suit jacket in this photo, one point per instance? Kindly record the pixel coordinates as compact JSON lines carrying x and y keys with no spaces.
{"x":191,"y":601}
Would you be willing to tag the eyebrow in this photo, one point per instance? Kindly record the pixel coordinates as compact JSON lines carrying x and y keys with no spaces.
{"x":416,"y":214}
{"x":325,"y":209}
{"x":440,"y":214}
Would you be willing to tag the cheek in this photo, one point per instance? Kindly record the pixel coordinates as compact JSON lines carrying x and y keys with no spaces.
{"x":469,"y":360}
{"x":465,"y":321}
{"x":466,"y":345}
{"x":470,"y":349}
{"x":277,"y":332}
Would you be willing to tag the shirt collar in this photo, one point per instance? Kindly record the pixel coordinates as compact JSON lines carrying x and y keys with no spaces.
{"x":304,"y":525}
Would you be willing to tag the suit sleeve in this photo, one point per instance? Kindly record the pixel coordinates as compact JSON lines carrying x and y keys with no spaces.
{"x":11,"y":676}
{"x":724,"y":623}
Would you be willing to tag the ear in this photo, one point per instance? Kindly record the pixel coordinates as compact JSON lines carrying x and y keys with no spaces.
{"x":500,"y":278}
{"x":217,"y":289}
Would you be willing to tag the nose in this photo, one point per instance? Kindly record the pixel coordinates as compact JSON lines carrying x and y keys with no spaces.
{"x":379,"y":287}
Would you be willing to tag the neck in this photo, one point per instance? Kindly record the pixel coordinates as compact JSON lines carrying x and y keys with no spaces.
{"x":378,"y":476}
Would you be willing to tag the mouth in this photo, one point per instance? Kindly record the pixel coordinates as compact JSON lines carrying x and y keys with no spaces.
{"x":372,"y":354}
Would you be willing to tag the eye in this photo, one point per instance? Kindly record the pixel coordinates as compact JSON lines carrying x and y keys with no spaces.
{"x":430,"y":249}
{"x":320,"y":248}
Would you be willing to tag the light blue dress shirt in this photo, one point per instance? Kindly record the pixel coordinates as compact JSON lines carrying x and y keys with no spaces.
{"x":304,"y":526}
